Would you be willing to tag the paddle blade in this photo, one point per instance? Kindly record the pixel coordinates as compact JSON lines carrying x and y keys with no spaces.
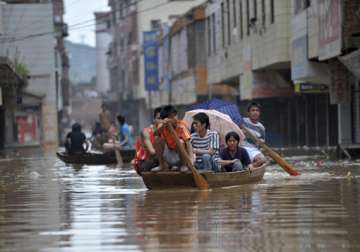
{"x":276,"y":157}
{"x":288,"y":168}
{"x":200,"y":181}
{"x":285,"y":165}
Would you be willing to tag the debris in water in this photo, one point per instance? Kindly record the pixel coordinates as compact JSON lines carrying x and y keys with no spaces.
{"x":349,"y":175}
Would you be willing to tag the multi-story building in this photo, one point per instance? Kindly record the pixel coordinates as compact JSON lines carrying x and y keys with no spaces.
{"x":326,"y":51}
{"x":30,"y":28}
{"x":131,"y":19}
{"x":183,"y":54}
{"x":298,"y":58}
{"x":123,"y":63}
{"x":103,"y":40}
{"x":254,"y":46}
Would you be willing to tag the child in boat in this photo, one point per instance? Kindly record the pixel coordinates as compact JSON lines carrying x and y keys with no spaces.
{"x":145,"y":156}
{"x":205,"y":143}
{"x":252,"y":123}
{"x":234,"y":157}
{"x":166,"y":148}
{"x":75,"y":140}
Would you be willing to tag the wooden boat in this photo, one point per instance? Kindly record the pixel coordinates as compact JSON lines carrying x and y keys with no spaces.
{"x":169,"y":179}
{"x":96,"y":158}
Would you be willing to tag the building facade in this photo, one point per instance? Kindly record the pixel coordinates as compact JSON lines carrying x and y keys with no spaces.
{"x":132,"y":19}
{"x":329,"y":47}
{"x":299,"y":59}
{"x":28,"y":40}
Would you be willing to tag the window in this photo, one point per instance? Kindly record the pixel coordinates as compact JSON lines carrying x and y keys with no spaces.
{"x":121,"y":10}
{"x":213,"y":32}
{"x":300,"y":5}
{"x":247,"y":17}
{"x":222,"y":25}
{"x":155,"y":24}
{"x":118,"y":11}
{"x":234,"y":13}
{"x":228,"y":14}
{"x":263,"y":11}
{"x":255,"y":9}
{"x":209,"y":34}
{"x":114,"y":17}
{"x":241,"y":19}
{"x":108,"y":24}
{"x":272,"y":11}
{"x":122,"y":44}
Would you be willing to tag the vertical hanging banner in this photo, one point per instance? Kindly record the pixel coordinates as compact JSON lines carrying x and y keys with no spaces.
{"x":151,"y":61}
{"x":330,"y":29}
{"x":340,"y":89}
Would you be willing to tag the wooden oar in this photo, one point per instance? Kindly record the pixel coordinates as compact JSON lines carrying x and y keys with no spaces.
{"x":276,"y":157}
{"x":200,"y":181}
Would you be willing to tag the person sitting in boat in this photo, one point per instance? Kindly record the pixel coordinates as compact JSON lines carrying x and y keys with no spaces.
{"x":97,"y":135}
{"x":125,"y":138}
{"x":75,"y":140}
{"x":145,"y":154}
{"x":112,"y":136}
{"x":166,"y":149}
{"x":233,"y":157}
{"x":105,"y":118}
{"x":257,"y":128}
{"x":205,"y":143}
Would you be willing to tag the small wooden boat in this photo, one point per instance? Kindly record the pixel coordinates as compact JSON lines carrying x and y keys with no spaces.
{"x":169,"y":179}
{"x":96,"y":158}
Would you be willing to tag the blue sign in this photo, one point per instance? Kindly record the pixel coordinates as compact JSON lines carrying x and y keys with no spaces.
{"x":151,"y":61}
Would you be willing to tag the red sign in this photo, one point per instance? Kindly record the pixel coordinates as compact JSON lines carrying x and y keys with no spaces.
{"x":26,"y":128}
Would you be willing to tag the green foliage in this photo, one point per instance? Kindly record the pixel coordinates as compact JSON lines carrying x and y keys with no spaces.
{"x":22,"y":70}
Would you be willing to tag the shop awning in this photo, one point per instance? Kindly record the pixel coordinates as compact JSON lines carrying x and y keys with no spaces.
{"x":352,"y":62}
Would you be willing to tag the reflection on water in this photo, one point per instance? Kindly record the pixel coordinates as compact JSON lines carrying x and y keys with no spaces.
{"x":46,"y":205}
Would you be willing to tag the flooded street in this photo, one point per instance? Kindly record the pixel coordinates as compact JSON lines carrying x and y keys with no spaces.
{"x":46,"y":205}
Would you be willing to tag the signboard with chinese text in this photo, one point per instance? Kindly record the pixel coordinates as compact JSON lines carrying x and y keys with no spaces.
{"x":310,"y":88}
{"x":151,"y":61}
{"x":26,"y":128}
{"x":330,"y":29}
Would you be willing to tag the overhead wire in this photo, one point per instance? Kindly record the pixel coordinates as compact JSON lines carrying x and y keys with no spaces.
{"x":78,"y":26}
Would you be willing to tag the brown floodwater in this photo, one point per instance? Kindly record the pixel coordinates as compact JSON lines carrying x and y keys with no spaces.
{"x":46,"y":205}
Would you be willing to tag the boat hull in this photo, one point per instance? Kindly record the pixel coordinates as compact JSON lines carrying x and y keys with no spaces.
{"x":166,"y":180}
{"x":92,"y":158}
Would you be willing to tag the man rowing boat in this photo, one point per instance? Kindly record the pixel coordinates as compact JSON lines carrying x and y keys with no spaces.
{"x":257,"y":128}
{"x":166,"y":149}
